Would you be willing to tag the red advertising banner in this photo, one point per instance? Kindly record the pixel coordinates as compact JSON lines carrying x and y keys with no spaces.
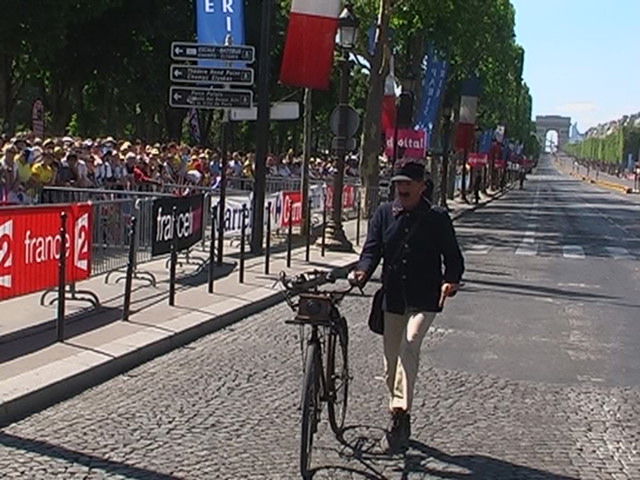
{"x":30,"y":246}
{"x":500,"y":163}
{"x":478,"y":159}
{"x":291,"y":209}
{"x":414,"y":142}
{"x":348,"y":197}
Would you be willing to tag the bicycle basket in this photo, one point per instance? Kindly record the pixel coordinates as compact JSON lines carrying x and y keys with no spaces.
{"x":314,"y":309}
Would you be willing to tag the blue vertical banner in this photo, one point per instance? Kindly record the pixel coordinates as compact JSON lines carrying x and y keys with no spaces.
{"x":485,"y":141}
{"x":217,"y":19}
{"x":433,"y":84}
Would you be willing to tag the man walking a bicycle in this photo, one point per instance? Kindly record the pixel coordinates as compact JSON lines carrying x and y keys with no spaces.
{"x":414,"y":239}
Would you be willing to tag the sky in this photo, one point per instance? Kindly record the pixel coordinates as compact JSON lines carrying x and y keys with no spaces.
{"x":581,"y":57}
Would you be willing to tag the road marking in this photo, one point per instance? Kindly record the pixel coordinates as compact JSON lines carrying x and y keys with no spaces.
{"x":573,"y":251}
{"x":619,"y":253}
{"x":527,"y":249}
{"x":478,"y":249}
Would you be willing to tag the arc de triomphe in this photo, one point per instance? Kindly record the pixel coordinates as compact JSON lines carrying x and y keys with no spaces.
{"x":546,"y":123}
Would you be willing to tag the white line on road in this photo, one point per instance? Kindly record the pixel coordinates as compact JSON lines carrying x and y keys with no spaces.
{"x":478,"y":249}
{"x":528,"y":246}
{"x":527,"y":249}
{"x":573,"y":251}
{"x":619,"y":253}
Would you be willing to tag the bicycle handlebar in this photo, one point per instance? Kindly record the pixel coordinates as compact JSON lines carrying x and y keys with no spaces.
{"x":310,"y":281}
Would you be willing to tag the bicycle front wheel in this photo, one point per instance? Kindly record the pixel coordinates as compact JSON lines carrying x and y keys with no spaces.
{"x":310,"y":407}
{"x":337,"y":379}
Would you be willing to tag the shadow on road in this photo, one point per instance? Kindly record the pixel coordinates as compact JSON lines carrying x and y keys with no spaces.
{"x":428,"y":460}
{"x":90,"y":461}
{"x":363,"y":444}
{"x":527,"y":289}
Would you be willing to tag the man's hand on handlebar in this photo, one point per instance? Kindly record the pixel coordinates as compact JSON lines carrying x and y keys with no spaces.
{"x":357,"y":278}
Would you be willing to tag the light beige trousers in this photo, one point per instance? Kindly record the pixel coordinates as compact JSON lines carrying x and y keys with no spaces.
{"x":403,"y":335}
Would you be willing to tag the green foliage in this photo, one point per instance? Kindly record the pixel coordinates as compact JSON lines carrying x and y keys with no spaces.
{"x":101,"y":66}
{"x":610,"y":148}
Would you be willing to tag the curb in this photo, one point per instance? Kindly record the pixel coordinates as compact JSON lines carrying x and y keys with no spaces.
{"x":603,"y":183}
{"x":18,"y":408}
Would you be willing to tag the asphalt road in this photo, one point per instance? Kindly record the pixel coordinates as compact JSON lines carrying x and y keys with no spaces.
{"x":533,"y":372}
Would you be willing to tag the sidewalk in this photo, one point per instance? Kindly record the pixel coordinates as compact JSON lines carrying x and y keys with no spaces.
{"x":36,"y":371}
{"x":619,"y":184}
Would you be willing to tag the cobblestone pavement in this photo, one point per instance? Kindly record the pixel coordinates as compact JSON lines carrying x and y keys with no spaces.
{"x":226,"y":407}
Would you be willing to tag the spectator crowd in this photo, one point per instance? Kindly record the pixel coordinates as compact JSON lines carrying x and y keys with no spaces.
{"x":28,"y":164}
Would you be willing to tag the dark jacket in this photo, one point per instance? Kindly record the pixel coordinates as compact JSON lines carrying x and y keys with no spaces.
{"x":414,"y":281}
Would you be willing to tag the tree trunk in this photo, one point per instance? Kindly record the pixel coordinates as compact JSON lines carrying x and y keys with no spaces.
{"x":369,"y":166}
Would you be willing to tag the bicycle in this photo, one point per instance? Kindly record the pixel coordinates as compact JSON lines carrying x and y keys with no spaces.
{"x":319,"y":309}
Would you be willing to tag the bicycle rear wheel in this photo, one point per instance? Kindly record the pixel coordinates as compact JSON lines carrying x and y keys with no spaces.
{"x":310,"y":408}
{"x":337,"y":378}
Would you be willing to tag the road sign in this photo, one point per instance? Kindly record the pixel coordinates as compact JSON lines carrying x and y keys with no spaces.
{"x":279,"y":111}
{"x":202,"y":51}
{"x":192,"y":74}
{"x":192,"y":97}
{"x":353,"y":120}
{"x":349,"y":144}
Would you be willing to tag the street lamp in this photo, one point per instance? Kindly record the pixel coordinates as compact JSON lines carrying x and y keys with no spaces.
{"x":346,"y":40}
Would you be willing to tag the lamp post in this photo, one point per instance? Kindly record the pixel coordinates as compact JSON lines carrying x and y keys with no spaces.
{"x":347,"y":30}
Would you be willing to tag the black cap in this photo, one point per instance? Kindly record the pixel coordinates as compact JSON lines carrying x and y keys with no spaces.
{"x":410,"y":171}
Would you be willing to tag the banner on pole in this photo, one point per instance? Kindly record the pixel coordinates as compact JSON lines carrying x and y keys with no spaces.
{"x":413,"y":142}
{"x":308,"y":52}
{"x":218,"y":19}
{"x":433,"y":85}
{"x":187,"y":227}
{"x":30,"y":245}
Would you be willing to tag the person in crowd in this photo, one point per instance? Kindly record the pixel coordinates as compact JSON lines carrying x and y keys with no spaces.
{"x":44,"y":170}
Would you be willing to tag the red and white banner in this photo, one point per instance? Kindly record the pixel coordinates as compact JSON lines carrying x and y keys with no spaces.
{"x":414,"y":143}
{"x":30,"y":247}
{"x":291,"y":209}
{"x":348,"y":197}
{"x":478,"y":159}
{"x":311,"y":36}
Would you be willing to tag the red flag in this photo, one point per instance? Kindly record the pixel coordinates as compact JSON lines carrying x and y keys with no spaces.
{"x":389,"y":104}
{"x":308,"y":51}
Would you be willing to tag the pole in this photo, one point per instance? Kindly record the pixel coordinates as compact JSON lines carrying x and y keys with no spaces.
{"x":306,"y":212}
{"x":267,"y":256}
{"x":307,"y":228}
{"x":289,"y":235}
{"x":243,"y":233}
{"x":130,"y":268}
{"x":212,"y":248}
{"x":324,"y":223}
{"x":262,"y":127}
{"x":223,"y":187}
{"x":174,"y":260}
{"x":62,"y":276}
{"x":463,"y":187}
{"x":337,"y":239}
{"x":359,"y":214}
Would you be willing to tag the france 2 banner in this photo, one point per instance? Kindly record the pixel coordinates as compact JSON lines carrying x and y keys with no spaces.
{"x":30,"y":247}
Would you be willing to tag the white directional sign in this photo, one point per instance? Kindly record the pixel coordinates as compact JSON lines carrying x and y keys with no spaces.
{"x":193,"y":74}
{"x":202,"y":51}
{"x":279,"y":111}
{"x":193,"y":97}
